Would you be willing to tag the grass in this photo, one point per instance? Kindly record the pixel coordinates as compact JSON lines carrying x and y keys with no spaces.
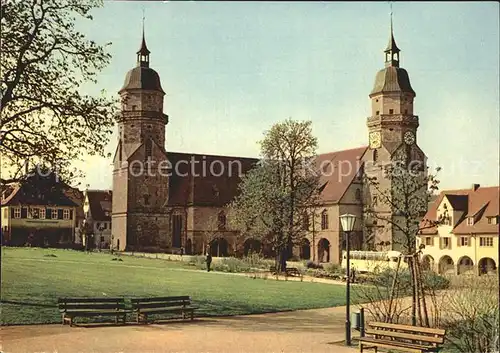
{"x":33,"y":279}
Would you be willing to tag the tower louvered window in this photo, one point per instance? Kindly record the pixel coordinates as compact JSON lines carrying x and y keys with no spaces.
{"x":149,"y":148}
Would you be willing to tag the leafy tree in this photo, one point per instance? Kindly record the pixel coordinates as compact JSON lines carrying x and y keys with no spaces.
{"x":401,"y":207}
{"x":275,"y":194}
{"x":45,"y":61}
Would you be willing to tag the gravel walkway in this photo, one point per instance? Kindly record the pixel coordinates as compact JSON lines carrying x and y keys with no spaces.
{"x":305,"y":331}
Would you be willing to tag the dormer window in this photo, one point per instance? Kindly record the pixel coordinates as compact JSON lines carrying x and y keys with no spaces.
{"x":493,"y":220}
{"x":470,"y":221}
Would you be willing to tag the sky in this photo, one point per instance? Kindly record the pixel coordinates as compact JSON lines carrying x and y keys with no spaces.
{"x":231,"y":70}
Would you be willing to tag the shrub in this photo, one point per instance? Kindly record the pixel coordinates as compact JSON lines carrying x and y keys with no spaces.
{"x":333,"y":268}
{"x":312,"y":264}
{"x":434,"y":281}
{"x":231,"y":264}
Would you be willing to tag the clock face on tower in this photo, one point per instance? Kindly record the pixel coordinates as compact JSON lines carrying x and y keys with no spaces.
{"x":409,"y":138}
{"x":374,"y":139}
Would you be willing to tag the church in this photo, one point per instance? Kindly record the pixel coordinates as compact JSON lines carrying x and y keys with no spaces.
{"x":168,"y":201}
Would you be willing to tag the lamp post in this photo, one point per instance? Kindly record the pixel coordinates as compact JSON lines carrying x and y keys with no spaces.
{"x":347,"y":221}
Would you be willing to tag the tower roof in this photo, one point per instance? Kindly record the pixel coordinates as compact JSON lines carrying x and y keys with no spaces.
{"x":143,"y":50}
{"x":142,"y":78}
{"x":392,"y":79}
{"x":391,"y":45}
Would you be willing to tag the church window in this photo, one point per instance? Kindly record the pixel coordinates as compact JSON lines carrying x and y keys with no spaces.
{"x":324,"y":220}
{"x":391,"y":111}
{"x":134,"y":107}
{"x":375,"y":156}
{"x":221,"y":221}
{"x":376,"y":100}
{"x":377,"y":112}
{"x":305,"y":221}
{"x":358,"y":194}
{"x":146,"y":200}
{"x":149,"y":148}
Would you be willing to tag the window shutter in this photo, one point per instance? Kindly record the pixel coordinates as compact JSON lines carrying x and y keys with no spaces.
{"x":24,"y":212}
{"x":48,"y":213}
{"x":70,"y":214}
{"x":459,"y":241}
{"x":12,"y":212}
{"x":59,"y":214}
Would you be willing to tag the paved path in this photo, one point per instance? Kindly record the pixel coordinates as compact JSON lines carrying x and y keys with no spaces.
{"x":305,"y":331}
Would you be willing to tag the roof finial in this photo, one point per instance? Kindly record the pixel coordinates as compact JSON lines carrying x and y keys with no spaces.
{"x":392,"y":50}
{"x":390,"y":4}
{"x":144,"y":19}
{"x":143,"y":53}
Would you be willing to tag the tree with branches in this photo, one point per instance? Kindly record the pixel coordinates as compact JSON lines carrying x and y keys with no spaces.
{"x":45,"y":119}
{"x":401,"y":208}
{"x":275,"y":194}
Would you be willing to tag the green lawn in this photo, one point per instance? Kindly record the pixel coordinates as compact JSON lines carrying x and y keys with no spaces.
{"x":32,"y":280}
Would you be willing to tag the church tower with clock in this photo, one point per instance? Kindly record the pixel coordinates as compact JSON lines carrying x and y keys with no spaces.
{"x":392,"y":133}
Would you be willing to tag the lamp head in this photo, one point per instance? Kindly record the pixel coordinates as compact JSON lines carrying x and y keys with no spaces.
{"x":347,"y":221}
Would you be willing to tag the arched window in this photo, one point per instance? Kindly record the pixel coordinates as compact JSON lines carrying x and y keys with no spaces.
{"x":358,"y":194}
{"x":305,"y":221}
{"x":375,"y":156}
{"x":324,"y":220}
{"x":149,"y":148}
{"x":221,"y":220}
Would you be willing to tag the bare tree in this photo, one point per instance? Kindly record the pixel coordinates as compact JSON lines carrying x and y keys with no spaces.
{"x":405,"y":202}
{"x":45,"y":61}
{"x":472,"y":315}
{"x":275,"y":194}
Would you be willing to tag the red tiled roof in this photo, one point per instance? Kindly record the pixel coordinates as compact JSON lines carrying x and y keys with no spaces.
{"x":187,"y":188}
{"x":481,"y":204}
{"x":207,"y":184}
{"x":100,"y":204}
{"x":345,"y":164}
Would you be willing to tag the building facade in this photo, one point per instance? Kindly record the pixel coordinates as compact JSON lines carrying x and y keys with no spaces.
{"x":179,"y":208}
{"x":466,"y":239}
{"x":40,"y":211}
{"x":97,"y":209}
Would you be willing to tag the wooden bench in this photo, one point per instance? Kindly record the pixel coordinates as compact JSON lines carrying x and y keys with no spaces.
{"x":143,"y":307}
{"x":402,"y":338}
{"x":70,"y":308}
{"x":292,"y":271}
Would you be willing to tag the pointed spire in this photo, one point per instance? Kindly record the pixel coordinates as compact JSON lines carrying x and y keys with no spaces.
{"x":392,"y":50}
{"x":143,"y":52}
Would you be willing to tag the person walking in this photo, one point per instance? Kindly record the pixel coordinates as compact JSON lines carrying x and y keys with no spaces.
{"x":209,"y":260}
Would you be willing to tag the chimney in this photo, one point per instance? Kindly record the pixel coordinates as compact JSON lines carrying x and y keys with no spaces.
{"x":475,"y":187}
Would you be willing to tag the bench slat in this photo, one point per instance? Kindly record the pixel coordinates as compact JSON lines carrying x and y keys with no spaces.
{"x":159,"y":304}
{"x":409,"y":336}
{"x":90,"y":300}
{"x":95,"y":306}
{"x":166,"y":310}
{"x":417,"y":329}
{"x":93,"y":313}
{"x":159,"y":299}
{"x":393,"y":344}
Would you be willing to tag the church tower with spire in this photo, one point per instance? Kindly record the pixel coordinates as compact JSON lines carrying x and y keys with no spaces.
{"x":392,"y":133}
{"x":140,"y":175}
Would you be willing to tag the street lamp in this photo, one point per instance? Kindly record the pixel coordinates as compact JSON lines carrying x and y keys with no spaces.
{"x":347,"y":221}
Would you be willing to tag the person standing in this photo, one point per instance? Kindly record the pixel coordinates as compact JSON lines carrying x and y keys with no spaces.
{"x":209,"y":260}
